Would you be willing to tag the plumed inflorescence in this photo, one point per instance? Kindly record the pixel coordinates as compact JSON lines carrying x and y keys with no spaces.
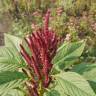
{"x":43,"y":45}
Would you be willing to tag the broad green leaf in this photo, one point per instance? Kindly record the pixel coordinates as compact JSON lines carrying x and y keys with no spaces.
{"x":12,"y":41}
{"x":7,"y":76}
{"x":68,"y":52}
{"x":15,"y":92}
{"x":52,"y":93}
{"x":88,"y":71}
{"x":72,"y":84}
{"x":10,"y":61}
{"x":10,"y":57}
{"x":10,"y":80}
{"x":6,"y":88}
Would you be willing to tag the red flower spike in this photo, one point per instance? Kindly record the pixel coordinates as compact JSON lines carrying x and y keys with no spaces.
{"x":43,"y":46}
{"x":32,"y":88}
{"x":25,"y":55}
{"x":46,"y":21}
{"x":46,"y":84}
{"x":36,"y":69}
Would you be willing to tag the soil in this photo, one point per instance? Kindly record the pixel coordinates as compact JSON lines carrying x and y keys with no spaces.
{"x":1,"y":38}
{"x":5,"y":23}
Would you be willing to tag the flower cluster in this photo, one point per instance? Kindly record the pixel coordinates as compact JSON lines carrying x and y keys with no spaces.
{"x":43,"y":45}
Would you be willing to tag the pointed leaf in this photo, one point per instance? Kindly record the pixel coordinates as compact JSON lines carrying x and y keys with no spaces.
{"x":68,"y":52}
{"x":88,"y":71}
{"x":10,"y":80}
{"x":72,"y":84}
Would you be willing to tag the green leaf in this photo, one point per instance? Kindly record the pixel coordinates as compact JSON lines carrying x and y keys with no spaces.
{"x":10,"y":80}
{"x":10,"y":57}
{"x":10,"y":61}
{"x":68,"y":52}
{"x":6,"y":88}
{"x":88,"y":71}
{"x":12,"y":41}
{"x":15,"y":92}
{"x":52,"y":93}
{"x":8,"y":76}
{"x":72,"y":84}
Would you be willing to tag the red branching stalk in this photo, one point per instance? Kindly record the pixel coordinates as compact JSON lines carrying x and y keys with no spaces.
{"x":43,"y":45}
